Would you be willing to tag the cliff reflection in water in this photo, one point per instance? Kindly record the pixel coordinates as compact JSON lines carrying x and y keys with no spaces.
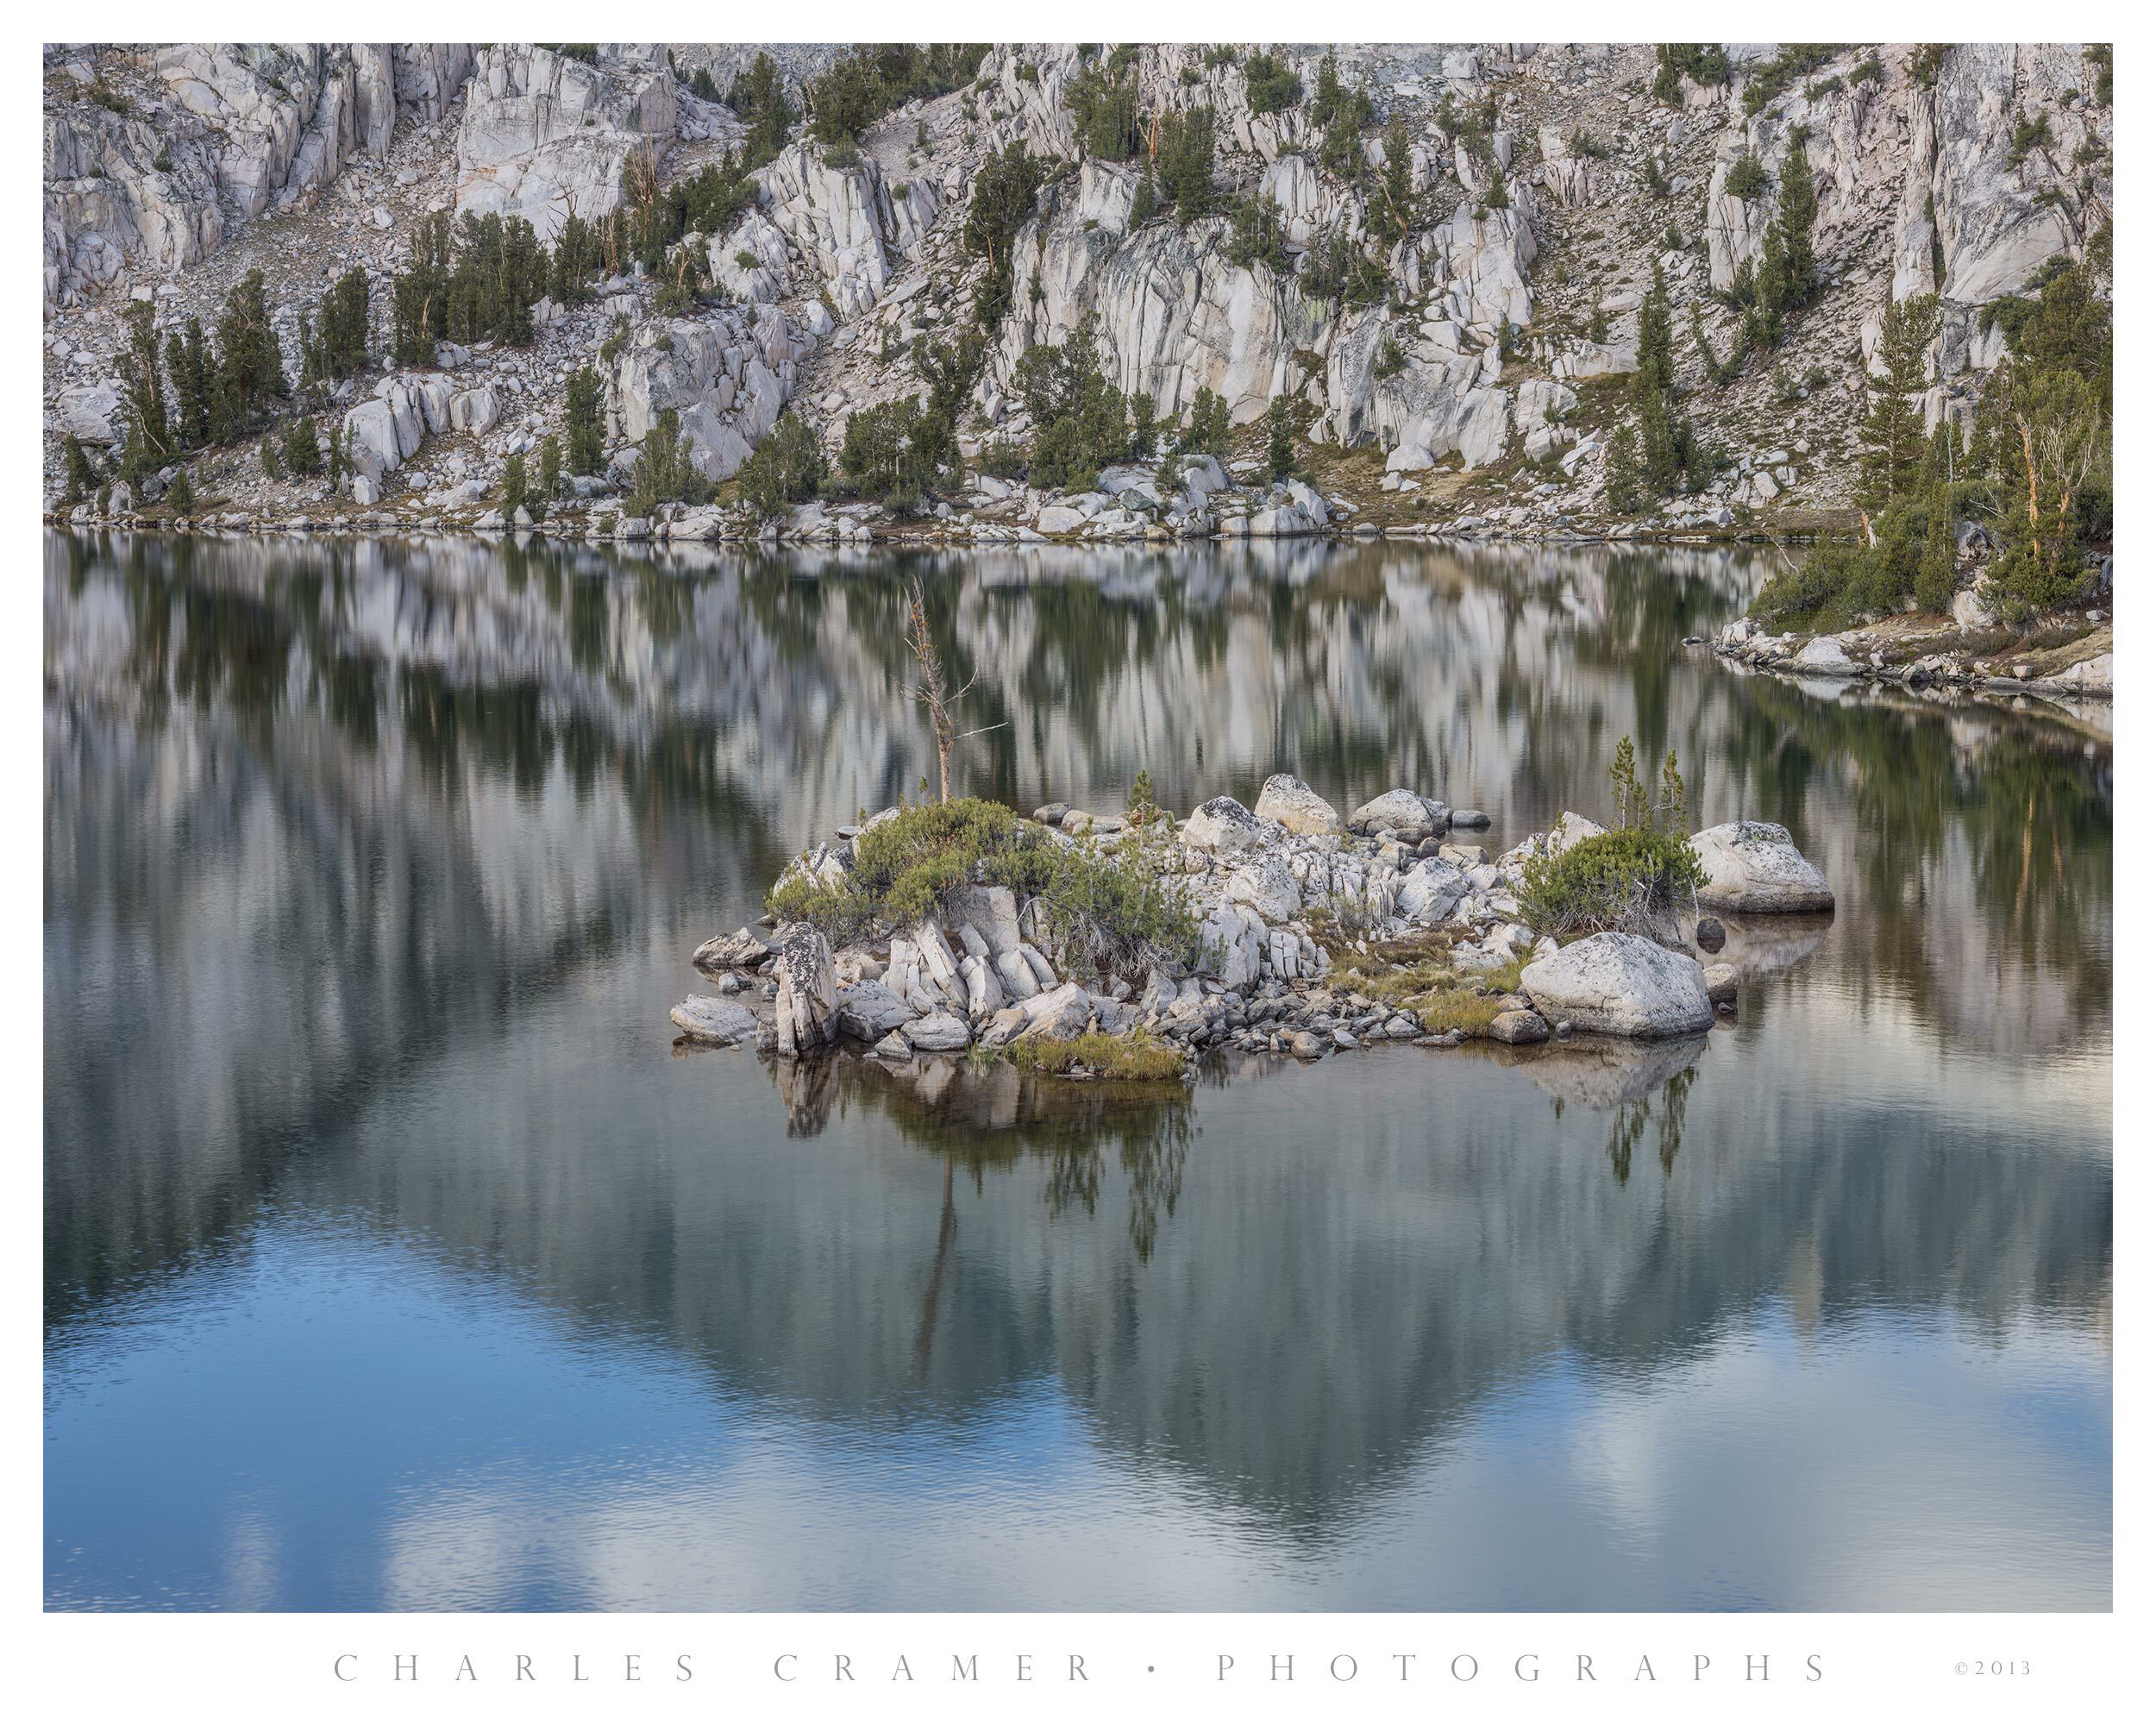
{"x":371,"y":869}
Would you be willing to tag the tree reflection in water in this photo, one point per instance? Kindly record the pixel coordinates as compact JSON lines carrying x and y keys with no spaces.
{"x":988,"y":1116}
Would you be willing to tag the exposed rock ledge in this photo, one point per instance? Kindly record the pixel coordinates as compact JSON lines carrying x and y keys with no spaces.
{"x":1918,"y":653}
{"x":1317,"y":935}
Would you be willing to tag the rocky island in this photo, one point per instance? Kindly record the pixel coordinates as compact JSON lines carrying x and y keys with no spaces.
{"x":1131,"y":942}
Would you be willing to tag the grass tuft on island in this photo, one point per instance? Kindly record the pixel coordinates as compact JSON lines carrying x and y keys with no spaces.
{"x":1417,"y":976}
{"x":1139,"y":1055}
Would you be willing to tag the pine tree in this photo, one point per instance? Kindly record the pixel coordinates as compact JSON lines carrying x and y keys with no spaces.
{"x":176,"y":371}
{"x":250,"y":369}
{"x":187,"y":361}
{"x":1145,"y":426}
{"x":1893,"y":442}
{"x":419,"y":314}
{"x":522,"y":282}
{"x":1797,"y":210}
{"x":180,"y":499}
{"x":1620,"y":471}
{"x":1664,"y":439}
{"x":1208,"y":432}
{"x":82,"y":477}
{"x":549,"y":465}
{"x":1499,"y":194}
{"x":663,"y":473}
{"x":273,"y":462}
{"x":575,"y":256}
{"x":149,"y":441}
{"x":512,"y":484}
{"x":1280,"y":437}
{"x":1184,"y":162}
{"x":587,"y":424}
{"x":1145,"y":201}
{"x":1396,"y":187}
{"x":303,"y":453}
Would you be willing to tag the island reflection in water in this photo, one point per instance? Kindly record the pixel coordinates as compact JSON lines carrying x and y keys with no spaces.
{"x":396,"y":1258}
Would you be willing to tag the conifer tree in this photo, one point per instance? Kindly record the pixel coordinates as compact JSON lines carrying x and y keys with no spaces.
{"x":303,"y":453}
{"x":512,"y":484}
{"x":82,"y":477}
{"x":1208,"y":431}
{"x":1620,"y":471}
{"x":420,"y":296}
{"x":1796,"y":211}
{"x":1184,"y":162}
{"x":1280,"y":437}
{"x":1395,"y":186}
{"x":180,"y":499}
{"x":1663,"y":438}
{"x":523,"y":281}
{"x":1894,"y":446}
{"x":663,"y":473}
{"x":250,"y":369}
{"x":575,"y":256}
{"x":550,"y":465}
{"x":1145,"y":201}
{"x":143,"y":385}
{"x":587,"y":423}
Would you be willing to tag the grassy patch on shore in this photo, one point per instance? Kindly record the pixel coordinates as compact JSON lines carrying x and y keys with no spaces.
{"x":1139,"y":1056}
{"x":1417,"y":974}
{"x":1458,"y":1006}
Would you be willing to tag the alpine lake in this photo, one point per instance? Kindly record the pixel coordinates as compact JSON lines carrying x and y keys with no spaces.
{"x":397,"y":1256}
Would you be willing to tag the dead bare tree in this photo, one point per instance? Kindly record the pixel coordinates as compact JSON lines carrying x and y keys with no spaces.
{"x":932,"y":694}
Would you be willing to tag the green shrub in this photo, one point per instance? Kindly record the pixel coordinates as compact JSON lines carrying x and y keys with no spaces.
{"x":1002,"y":458}
{"x":2029,"y":135}
{"x":1630,"y":879}
{"x":1769,"y":79}
{"x":1707,"y":64}
{"x":1112,"y":911}
{"x":1627,"y":881}
{"x":787,"y":467}
{"x":1273,"y":86}
{"x":1747,"y":179}
{"x":871,"y":78}
{"x":910,"y":867}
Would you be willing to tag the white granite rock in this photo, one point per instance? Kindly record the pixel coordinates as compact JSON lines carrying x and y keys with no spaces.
{"x":1620,"y":985}
{"x":808,"y":992}
{"x":1286,"y":799}
{"x":1221,"y":824}
{"x":1753,"y":865}
{"x":701,"y":1019}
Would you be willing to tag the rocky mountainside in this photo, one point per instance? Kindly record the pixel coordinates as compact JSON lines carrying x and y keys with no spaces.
{"x":1502,"y":211}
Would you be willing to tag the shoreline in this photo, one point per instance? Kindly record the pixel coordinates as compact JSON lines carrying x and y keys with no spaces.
{"x":888,"y":536}
{"x":1923,"y":653}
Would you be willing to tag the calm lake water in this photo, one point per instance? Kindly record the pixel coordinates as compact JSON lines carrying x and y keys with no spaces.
{"x":395,"y":1257}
